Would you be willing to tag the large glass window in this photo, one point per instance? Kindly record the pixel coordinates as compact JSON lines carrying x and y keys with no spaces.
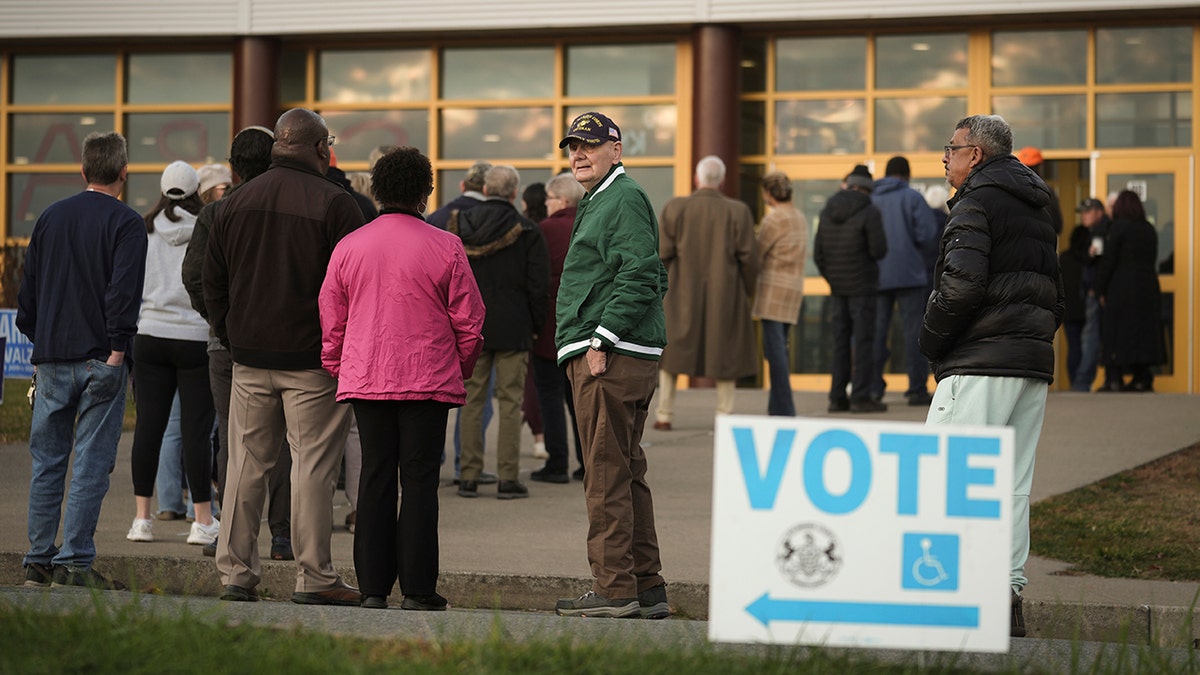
{"x":813,"y":64}
{"x":1143,"y":55}
{"x":916,"y":124}
{"x":823,"y":126}
{"x":646,"y":130}
{"x":1144,"y":120}
{"x":180,"y":78}
{"x":479,"y":133}
{"x":375,"y":75}
{"x":921,"y":61}
{"x":497,"y":74}
{"x":621,"y":70}
{"x":53,"y":138}
{"x":196,"y":138}
{"x":1039,"y":58}
{"x":62,"y":80}
{"x":360,"y":132}
{"x":30,"y":193}
{"x":1053,"y":121}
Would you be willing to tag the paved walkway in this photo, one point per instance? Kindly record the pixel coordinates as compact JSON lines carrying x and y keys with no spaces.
{"x":523,"y":554}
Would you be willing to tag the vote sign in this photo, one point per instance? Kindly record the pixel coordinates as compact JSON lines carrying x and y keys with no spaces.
{"x":865,"y":534}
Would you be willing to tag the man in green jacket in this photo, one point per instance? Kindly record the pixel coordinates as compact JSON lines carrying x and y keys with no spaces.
{"x":611,"y":333}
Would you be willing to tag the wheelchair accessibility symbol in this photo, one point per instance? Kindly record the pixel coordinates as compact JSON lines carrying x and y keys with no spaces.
{"x":930,"y":562}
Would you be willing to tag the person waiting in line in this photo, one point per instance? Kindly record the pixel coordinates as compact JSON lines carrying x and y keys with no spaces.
{"x":849,"y":242}
{"x":1092,"y":216}
{"x":1128,"y":289}
{"x":1072,"y":262}
{"x":782,"y":246}
{"x":533,"y":207}
{"x":170,"y":355}
{"x":398,"y":293}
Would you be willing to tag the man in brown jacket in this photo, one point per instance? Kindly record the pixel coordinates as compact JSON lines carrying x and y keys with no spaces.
{"x":706,"y":242}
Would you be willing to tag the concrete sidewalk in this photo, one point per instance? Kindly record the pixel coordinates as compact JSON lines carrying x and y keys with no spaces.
{"x":524,"y":554}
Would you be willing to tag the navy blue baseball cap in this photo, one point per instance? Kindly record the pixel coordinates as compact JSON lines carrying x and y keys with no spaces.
{"x":592,"y":128}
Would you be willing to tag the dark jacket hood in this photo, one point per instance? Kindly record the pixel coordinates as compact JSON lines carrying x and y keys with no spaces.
{"x":490,"y":227}
{"x":1010,"y":175}
{"x":842,"y":206}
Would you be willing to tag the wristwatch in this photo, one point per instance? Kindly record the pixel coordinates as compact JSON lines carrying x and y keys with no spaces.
{"x":597,"y":344}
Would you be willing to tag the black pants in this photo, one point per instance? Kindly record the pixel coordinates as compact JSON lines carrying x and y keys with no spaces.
{"x":279,"y":481}
{"x":160,"y":366}
{"x":853,"y":320}
{"x":402,"y":445}
{"x":553,"y":390}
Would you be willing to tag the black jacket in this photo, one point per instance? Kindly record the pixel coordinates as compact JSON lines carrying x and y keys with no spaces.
{"x":998,"y":295}
{"x":850,"y":240}
{"x":511,"y":263}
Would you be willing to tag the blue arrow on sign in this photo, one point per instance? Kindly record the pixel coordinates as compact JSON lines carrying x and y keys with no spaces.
{"x":767,"y":609}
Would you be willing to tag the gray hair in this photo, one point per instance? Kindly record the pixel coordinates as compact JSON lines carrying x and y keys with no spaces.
{"x":501,"y":180}
{"x":710,"y":171}
{"x":104,"y":155}
{"x":565,"y":187}
{"x":990,"y":132}
{"x":474,"y":178}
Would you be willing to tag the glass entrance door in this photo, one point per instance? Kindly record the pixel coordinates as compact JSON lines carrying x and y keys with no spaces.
{"x":1164,"y":185}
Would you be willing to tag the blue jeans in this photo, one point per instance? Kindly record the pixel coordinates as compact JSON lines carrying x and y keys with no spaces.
{"x":912,"y":313}
{"x":1089,"y":356}
{"x":168,"y":483}
{"x":775,"y":350}
{"x":80,"y":405}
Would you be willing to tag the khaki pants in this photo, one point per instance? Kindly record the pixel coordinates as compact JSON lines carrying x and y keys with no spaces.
{"x":666,"y":396}
{"x":264,"y":406}
{"x":510,"y":389}
{"x":611,"y":410}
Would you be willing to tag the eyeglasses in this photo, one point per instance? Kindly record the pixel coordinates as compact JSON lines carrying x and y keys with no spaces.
{"x":950,"y":148}
{"x":329,"y":140}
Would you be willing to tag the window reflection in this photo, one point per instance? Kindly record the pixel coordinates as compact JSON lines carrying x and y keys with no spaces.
{"x":30,"y":194}
{"x":828,"y":126}
{"x":374,"y":75}
{"x":811,"y":64}
{"x":646,"y":130}
{"x":1043,"y":57}
{"x":195,"y":138}
{"x":621,"y":70}
{"x":53,"y":139}
{"x":477,"y":133}
{"x":1144,"y":120}
{"x":498,"y":74}
{"x":921,"y":61}
{"x":657,"y":181}
{"x":358,"y":133}
{"x":812,"y":337}
{"x":180,"y":78}
{"x":1142,"y":55}
{"x":57,"y":80}
{"x":916,"y":124}
{"x":754,"y":64}
{"x":810,"y":196}
{"x":1045,"y":121}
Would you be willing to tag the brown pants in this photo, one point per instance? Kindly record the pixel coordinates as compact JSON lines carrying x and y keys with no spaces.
{"x":264,"y":406}
{"x":611,"y":410}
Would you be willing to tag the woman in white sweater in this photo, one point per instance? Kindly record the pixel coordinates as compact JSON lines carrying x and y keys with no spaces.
{"x":169,"y":354}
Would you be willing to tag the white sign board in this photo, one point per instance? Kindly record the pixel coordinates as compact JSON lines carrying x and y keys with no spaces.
{"x":17,"y":349}
{"x":861,"y":534}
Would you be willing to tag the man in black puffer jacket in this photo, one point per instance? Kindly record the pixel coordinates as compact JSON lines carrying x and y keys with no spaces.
{"x":850,"y":240}
{"x":996,"y":304}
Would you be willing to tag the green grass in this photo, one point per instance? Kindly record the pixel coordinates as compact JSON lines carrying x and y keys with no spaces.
{"x":1143,"y":523}
{"x":15,"y":412}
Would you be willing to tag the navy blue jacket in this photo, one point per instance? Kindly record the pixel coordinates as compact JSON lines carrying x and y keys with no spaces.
{"x":911,"y":233}
{"x":81,"y":288}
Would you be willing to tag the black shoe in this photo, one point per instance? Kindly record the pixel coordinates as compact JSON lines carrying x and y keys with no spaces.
{"x":88,"y":578}
{"x":37,"y":574}
{"x":653,"y":603}
{"x":239,"y":594}
{"x":484,"y":478}
{"x":578,"y":475}
{"x":1108,"y":387}
{"x":281,"y":548}
{"x":546,"y":476}
{"x":839,"y":406}
{"x":374,"y":602}
{"x":919,"y":398}
{"x":868,"y":406}
{"x":591,"y":605}
{"x":1018,"y":617}
{"x":425,"y":603}
{"x":468,"y":488}
{"x":210,"y":550}
{"x":511,"y":489}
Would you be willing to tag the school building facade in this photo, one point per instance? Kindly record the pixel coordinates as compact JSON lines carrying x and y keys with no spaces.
{"x":811,"y":88}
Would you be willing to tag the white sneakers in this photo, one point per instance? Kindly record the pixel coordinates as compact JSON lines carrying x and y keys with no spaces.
{"x":204,"y":534}
{"x":539,"y":450}
{"x":142,"y":530}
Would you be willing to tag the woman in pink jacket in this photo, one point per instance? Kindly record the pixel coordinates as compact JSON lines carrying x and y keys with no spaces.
{"x":401,"y":320}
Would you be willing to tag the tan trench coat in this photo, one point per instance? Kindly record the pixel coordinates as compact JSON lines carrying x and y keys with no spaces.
{"x":782,"y":247}
{"x":707,"y":244}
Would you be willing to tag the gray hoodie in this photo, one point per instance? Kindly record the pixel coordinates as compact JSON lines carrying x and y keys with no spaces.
{"x":166,"y":309}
